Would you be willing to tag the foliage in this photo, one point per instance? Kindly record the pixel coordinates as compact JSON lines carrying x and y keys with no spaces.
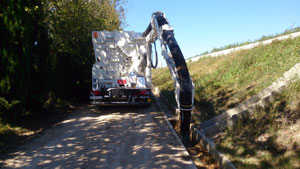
{"x":71,"y":23}
{"x":46,"y":48}
{"x":25,"y":57}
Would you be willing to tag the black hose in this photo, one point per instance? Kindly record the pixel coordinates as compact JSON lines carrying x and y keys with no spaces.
{"x":156,"y":58}
{"x":147,"y":31}
{"x":184,"y":80}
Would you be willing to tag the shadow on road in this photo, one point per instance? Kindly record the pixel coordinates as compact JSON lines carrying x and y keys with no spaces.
{"x":110,"y":137}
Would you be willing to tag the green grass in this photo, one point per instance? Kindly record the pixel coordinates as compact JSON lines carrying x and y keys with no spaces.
{"x":223,"y":82}
{"x":263,"y":38}
{"x":269,"y":139}
{"x":12,"y":133}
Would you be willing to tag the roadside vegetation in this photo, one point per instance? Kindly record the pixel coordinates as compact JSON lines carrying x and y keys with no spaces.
{"x":263,"y":38}
{"x":223,"y":82}
{"x":270,"y":138}
{"x":46,"y":57}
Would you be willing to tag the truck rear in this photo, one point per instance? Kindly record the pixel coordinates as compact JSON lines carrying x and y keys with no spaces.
{"x":121,"y":73}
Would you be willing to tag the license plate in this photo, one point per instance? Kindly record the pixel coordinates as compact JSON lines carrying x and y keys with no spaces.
{"x":144,"y":97}
{"x":96,"y":97}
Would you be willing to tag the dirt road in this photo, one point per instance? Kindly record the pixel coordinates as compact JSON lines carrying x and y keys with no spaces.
{"x":108,"y":138}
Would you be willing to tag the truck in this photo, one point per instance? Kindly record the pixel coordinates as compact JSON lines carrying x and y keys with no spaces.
{"x":123,"y":62}
{"x":120,"y":74}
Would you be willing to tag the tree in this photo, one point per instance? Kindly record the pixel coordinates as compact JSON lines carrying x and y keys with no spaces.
{"x":47,"y":48}
{"x":24,"y":56}
{"x":71,"y":23}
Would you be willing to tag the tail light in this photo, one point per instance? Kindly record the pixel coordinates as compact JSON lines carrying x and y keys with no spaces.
{"x":144,"y":92}
{"x":121,"y":82}
{"x":95,"y":92}
{"x":96,"y":35}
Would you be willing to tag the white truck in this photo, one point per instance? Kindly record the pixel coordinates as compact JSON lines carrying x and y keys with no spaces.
{"x":122,"y":72}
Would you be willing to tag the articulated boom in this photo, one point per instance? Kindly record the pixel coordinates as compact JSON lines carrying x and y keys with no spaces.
{"x":160,"y":29}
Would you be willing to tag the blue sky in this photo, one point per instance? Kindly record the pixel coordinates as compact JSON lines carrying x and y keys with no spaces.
{"x":202,"y":25}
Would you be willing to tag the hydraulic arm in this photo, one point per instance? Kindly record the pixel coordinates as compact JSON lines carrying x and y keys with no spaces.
{"x":160,"y":29}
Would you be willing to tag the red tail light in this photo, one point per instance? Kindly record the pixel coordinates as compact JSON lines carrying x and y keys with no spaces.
{"x":121,"y":82}
{"x":96,"y":35}
{"x":144,"y":92}
{"x":95,"y":92}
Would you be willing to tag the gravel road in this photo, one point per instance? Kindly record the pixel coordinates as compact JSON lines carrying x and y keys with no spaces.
{"x":119,"y":137}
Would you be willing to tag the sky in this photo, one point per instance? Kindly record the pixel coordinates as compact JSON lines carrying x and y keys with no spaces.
{"x":201,"y":25}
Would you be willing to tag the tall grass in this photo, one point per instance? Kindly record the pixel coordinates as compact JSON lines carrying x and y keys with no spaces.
{"x":269,"y":139}
{"x":223,"y":82}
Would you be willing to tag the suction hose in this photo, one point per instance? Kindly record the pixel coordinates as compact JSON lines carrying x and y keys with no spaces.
{"x":185,"y":83}
{"x":184,"y":79}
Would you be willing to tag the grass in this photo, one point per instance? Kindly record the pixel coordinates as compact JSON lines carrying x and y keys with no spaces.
{"x":13,"y":133}
{"x":270,"y":138}
{"x":223,"y":82}
{"x":263,"y":38}
{"x":10,"y":134}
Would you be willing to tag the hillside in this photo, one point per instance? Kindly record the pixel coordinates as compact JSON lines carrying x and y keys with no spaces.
{"x":223,"y":82}
{"x":248,"y":44}
{"x":270,"y":138}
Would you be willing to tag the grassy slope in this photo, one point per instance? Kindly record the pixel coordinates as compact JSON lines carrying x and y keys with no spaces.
{"x":275,"y":142}
{"x":270,"y":139}
{"x":263,"y":38}
{"x":223,"y":82}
